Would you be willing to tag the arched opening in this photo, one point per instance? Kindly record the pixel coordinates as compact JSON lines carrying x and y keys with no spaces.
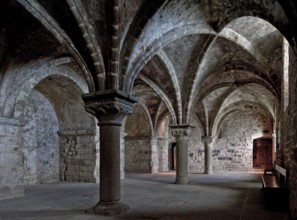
{"x":60,"y":141}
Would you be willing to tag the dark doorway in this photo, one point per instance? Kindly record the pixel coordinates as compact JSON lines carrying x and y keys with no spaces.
{"x":262,"y":153}
{"x":172,"y":156}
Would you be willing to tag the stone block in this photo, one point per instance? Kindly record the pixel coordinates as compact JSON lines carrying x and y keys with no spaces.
{"x":69,"y":168}
{"x":78,"y":146}
{"x":80,"y":162}
{"x":76,"y":168}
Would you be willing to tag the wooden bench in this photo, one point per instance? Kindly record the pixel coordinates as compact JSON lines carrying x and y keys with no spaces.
{"x":274,"y":188}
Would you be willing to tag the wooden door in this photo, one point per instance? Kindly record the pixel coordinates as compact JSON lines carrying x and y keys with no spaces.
{"x":262,"y":153}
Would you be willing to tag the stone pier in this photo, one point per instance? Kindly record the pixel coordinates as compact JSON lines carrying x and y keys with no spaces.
{"x":208,"y":142}
{"x":181,"y":133}
{"x":110,"y":107}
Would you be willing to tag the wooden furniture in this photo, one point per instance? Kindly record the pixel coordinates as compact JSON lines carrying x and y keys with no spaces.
{"x":274,"y":188}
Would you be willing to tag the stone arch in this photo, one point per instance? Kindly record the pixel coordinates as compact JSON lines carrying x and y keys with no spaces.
{"x":29,"y":84}
{"x":238,"y":106}
{"x":51,"y":25}
{"x":272,"y":12}
{"x":162,"y":95}
{"x":58,"y":90}
{"x":135,"y":67}
{"x":199,"y":125}
{"x":163,"y":126}
{"x":242,"y":42}
{"x":164,"y":57}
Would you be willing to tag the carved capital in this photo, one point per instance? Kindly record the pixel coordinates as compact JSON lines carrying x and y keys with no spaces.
{"x":110,"y":106}
{"x":208,"y":140}
{"x":181,"y":131}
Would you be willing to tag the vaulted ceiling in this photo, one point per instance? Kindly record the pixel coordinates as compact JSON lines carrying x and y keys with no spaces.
{"x":180,"y":57}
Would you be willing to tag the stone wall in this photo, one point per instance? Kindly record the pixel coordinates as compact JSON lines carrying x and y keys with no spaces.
{"x":78,"y":146}
{"x":44,"y":98}
{"x":11,"y":159}
{"x":47,"y":156}
{"x":138,"y":155}
{"x":154,"y":156}
{"x":41,"y":141}
{"x":162,"y":145}
{"x":196,"y":151}
{"x":77,"y":156}
{"x":287,"y":154}
{"x":233,"y":149}
{"x":138,"y":142}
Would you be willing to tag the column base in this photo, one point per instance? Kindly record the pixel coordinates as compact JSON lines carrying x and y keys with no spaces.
{"x":182,"y":180}
{"x":108,"y":208}
{"x":208,"y":172}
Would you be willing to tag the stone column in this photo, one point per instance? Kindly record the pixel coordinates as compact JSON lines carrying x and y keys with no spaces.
{"x":208,"y":141}
{"x":181,"y":133}
{"x":110,"y":107}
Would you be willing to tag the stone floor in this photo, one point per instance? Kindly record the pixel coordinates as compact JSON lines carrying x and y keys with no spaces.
{"x":150,"y":196}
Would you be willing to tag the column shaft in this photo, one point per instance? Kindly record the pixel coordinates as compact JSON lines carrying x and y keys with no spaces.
{"x":208,"y":142}
{"x":182,"y":161}
{"x":110,"y":173}
{"x":208,"y":159}
{"x":182,"y":134}
{"x":109,"y":107}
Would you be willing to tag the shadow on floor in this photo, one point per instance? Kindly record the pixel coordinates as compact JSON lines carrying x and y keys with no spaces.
{"x":150,"y":196}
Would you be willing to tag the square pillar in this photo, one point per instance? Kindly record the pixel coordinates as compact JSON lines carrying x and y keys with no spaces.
{"x":11,"y":159}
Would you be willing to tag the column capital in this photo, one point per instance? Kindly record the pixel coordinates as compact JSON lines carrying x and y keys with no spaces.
{"x":208,"y":139}
{"x":109,"y":106}
{"x":181,"y":131}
